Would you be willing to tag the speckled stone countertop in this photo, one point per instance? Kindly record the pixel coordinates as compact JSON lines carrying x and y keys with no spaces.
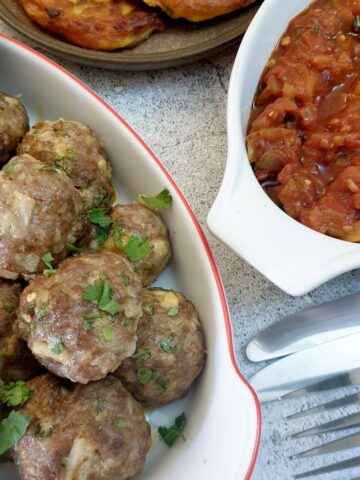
{"x":181,"y":114}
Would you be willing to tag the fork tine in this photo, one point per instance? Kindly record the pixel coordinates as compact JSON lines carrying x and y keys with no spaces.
{"x":333,"y":467}
{"x":344,"y":443}
{"x":340,"y":402}
{"x":340,"y":424}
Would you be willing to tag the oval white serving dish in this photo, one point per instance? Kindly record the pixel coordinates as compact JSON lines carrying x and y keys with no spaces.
{"x":222,"y":435}
{"x":294,"y":257}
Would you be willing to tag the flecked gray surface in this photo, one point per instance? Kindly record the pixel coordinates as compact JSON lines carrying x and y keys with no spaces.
{"x":180,"y":114}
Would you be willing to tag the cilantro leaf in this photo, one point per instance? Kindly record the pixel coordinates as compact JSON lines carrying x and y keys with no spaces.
{"x":92,"y":293}
{"x":9,"y":168}
{"x":73,"y":248}
{"x":14,"y":393}
{"x":117,"y":234}
{"x":144,"y":375}
{"x":102,"y":235}
{"x":102,"y":199}
{"x":58,"y":347}
{"x":108,"y":333}
{"x":167,"y":347}
{"x":44,"y":310}
{"x":137,"y":248}
{"x":101,"y":293}
{"x":141,"y":353}
{"x":172,"y":433}
{"x":162,"y":200}
{"x":173,"y":311}
{"x":112,"y":307}
{"x":12,"y":429}
{"x":47,"y":259}
{"x":98,"y":217}
{"x":162,"y":384}
{"x":91,"y":316}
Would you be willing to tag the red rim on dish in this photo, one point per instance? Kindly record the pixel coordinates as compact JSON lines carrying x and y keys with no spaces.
{"x":197,"y":226}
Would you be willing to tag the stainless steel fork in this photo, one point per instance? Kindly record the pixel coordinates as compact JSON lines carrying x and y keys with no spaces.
{"x":345,"y":422}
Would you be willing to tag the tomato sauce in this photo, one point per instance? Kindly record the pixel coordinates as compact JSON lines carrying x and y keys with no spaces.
{"x":304,"y":130}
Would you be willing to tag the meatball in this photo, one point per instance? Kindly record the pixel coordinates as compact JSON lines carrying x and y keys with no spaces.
{"x":16,"y":362}
{"x":140,"y":227}
{"x":14,"y":123}
{"x":80,"y":323}
{"x":40,"y":211}
{"x":82,"y":432}
{"x":75,"y":150}
{"x":170,"y":351}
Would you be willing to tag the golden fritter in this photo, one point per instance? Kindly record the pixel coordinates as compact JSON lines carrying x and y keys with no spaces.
{"x":96,"y":24}
{"x":198,"y":10}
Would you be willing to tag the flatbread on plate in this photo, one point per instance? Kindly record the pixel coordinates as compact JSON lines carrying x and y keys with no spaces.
{"x":105,"y":25}
{"x":197,"y":10}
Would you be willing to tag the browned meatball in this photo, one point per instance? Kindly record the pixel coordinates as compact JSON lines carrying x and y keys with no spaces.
{"x":170,"y":350}
{"x":16,"y":362}
{"x":80,"y":323}
{"x":40,"y":211}
{"x":134,"y":223}
{"x":14,"y":123}
{"x":75,"y":150}
{"x":82,"y":432}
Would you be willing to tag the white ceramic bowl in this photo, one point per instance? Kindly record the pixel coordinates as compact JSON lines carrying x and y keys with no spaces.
{"x":222,"y":435}
{"x":294,"y":257}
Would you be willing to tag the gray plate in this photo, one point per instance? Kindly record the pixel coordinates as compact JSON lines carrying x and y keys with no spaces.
{"x":181,"y":42}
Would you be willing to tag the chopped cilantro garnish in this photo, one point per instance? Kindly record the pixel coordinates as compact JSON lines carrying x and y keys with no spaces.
{"x":108,"y":333}
{"x":70,"y":154}
{"x":12,"y":429}
{"x":120,"y":421}
{"x":58,"y":347}
{"x":100,"y":405}
{"x":98,"y":217}
{"x":32,"y":327}
{"x":92,"y":293}
{"x":44,"y":310}
{"x":9,"y":308}
{"x":89,"y":319}
{"x":39,"y":433}
{"x":101,"y":200}
{"x":167,"y":347}
{"x":73,"y":248}
{"x":57,"y":165}
{"x":126,"y":279}
{"x":47,"y":259}
{"x":101,"y":293}
{"x":137,"y":248}
{"x":106,"y":302}
{"x":173,"y":311}
{"x":141,"y":353}
{"x":144,"y":375}
{"x":102,"y":235}
{"x":162,"y":384}
{"x":162,"y":200}
{"x":9,"y":168}
{"x":117,"y":234}
{"x":91,"y":316}
{"x":89,"y":325}
{"x":172,"y":433}
{"x":14,"y":393}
